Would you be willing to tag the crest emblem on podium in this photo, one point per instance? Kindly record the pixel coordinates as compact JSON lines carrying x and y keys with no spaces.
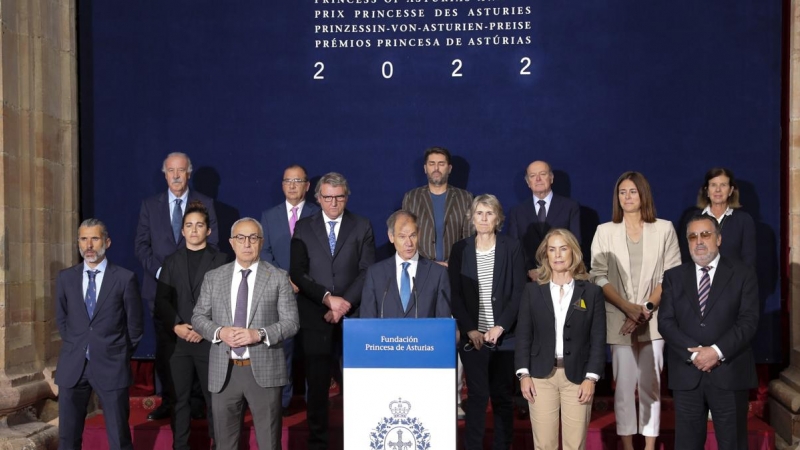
{"x":399,"y":431}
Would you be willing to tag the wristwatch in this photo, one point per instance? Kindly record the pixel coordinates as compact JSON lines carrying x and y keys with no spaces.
{"x":649,"y":306}
{"x":262,"y":334}
{"x":521,"y":376}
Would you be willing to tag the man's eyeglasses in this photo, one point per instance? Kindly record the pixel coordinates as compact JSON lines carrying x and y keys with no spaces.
{"x":703,"y":235}
{"x":468,"y":347}
{"x":294,"y":181}
{"x":253,"y":238}
{"x":329,"y":198}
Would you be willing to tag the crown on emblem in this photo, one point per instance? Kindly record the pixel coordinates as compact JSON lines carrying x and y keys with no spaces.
{"x":399,"y":408}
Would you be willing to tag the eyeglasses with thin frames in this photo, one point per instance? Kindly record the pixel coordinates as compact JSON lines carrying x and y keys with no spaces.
{"x":703,"y":235}
{"x":253,"y":238}
{"x":330,"y":198}
{"x":294,"y":181}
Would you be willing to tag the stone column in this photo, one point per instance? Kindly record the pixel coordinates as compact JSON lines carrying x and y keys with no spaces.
{"x":38,"y":207}
{"x":784,"y":402}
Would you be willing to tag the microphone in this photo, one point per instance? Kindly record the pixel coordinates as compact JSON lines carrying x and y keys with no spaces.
{"x":414,"y":293}
{"x":385,"y":291}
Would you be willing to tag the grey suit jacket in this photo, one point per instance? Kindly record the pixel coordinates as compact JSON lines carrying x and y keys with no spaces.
{"x":274,"y":308}
{"x":457,"y":223}
{"x":381,"y":296}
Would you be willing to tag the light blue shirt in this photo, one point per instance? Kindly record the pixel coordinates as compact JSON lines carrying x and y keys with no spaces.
{"x":172,"y":199}
{"x":547,"y":200}
{"x":98,"y":279}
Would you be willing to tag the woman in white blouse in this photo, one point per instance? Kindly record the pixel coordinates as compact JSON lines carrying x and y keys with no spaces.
{"x":561,"y":343}
{"x":629,"y":257}
{"x":487,"y":276}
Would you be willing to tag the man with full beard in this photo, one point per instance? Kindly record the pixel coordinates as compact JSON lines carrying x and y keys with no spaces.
{"x":442,"y":210}
{"x":443,"y":217}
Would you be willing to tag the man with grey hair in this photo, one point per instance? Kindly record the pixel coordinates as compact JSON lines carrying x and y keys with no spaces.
{"x":405,"y":285}
{"x":246,"y":310}
{"x":99,"y":317}
{"x":330,"y":254}
{"x":158,"y":235}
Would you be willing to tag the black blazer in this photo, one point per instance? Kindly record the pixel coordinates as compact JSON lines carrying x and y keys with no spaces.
{"x":155,"y":241}
{"x":430,"y":297}
{"x":730,"y":321}
{"x":315,"y":271}
{"x":508,"y":281}
{"x":584,"y":332}
{"x":523,"y":224}
{"x":175,"y":295}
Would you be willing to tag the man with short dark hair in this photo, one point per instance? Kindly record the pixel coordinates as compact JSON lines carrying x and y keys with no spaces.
{"x":278,"y":223}
{"x":405,"y":285}
{"x":330,"y":254}
{"x":708,"y":315}
{"x":442,"y":210}
{"x":246,"y":310}
{"x":177,"y":293}
{"x":530,"y":221}
{"x":158,"y":235}
{"x":99,"y":317}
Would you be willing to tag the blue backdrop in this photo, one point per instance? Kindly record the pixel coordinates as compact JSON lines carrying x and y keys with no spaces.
{"x":669,"y":89}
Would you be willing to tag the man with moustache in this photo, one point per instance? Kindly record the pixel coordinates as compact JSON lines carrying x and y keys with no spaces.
{"x":405,"y":285}
{"x":530,"y":221}
{"x":330,"y":254}
{"x":442,"y":210}
{"x":709,"y":314}
{"x":278,"y":223}
{"x":246,"y":310}
{"x":177,"y":293}
{"x":99,"y":317}
{"x":158,"y":235}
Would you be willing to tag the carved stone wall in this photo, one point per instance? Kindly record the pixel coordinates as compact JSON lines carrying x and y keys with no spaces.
{"x":38,"y":207}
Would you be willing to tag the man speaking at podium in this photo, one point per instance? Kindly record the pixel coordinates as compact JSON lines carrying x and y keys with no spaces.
{"x":405,"y":285}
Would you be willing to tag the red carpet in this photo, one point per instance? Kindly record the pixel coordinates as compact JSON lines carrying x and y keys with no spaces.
{"x":158,"y":436}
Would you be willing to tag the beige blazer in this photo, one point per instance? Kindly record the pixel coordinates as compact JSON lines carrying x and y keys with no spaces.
{"x":611,"y":264}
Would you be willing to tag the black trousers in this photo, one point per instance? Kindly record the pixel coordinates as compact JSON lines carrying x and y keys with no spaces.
{"x":188,"y":362}
{"x":728,"y":412}
{"x":319,"y":356}
{"x":490,"y":373}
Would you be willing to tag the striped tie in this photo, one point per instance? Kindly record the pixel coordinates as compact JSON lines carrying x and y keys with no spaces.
{"x":705,"y":287}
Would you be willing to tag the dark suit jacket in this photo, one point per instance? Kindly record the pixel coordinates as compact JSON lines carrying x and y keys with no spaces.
{"x":730,"y":321}
{"x":524,"y":226}
{"x":112,"y":333}
{"x":738,"y":236}
{"x":508,"y":281}
{"x":584,"y":332}
{"x":430,"y":295}
{"x":277,"y":241}
{"x":315,"y":271}
{"x":176,"y":296}
{"x":457,"y":221}
{"x":155,"y":241}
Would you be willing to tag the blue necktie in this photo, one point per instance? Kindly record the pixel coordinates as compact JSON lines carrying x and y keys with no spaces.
{"x":177,"y":219}
{"x":91,"y":297}
{"x":332,"y":237}
{"x":240,"y":315}
{"x":405,"y":286}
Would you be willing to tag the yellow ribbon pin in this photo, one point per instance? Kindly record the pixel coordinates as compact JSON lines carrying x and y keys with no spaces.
{"x":583,"y":304}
